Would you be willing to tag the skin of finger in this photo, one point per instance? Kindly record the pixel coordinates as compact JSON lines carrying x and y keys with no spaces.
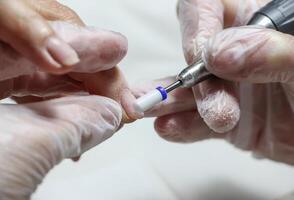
{"x":246,"y":54}
{"x":46,"y":134}
{"x":53,"y":11}
{"x":183,"y":127}
{"x":112,"y":84}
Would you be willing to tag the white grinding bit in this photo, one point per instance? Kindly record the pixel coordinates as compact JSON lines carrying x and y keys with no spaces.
{"x":150,"y":99}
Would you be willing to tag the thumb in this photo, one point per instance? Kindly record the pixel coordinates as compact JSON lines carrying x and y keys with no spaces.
{"x":93,"y":119}
{"x":251,"y":54}
{"x":45,"y":134}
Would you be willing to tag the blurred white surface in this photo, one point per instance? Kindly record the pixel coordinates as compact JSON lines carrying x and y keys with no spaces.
{"x":136,"y":164}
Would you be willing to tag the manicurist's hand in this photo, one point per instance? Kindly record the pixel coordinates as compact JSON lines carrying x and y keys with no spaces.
{"x":252,"y":105}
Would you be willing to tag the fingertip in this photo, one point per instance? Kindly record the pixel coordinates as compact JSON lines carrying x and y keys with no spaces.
{"x":166,"y":128}
{"x":128,"y":101}
{"x":110,"y":47}
{"x":220,"y":111}
{"x":115,"y":48}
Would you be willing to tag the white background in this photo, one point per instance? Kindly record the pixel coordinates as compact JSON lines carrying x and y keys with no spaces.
{"x":136,"y":164}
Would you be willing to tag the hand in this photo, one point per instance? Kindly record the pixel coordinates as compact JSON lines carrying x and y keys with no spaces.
{"x":37,"y":136}
{"x":254,"y":106}
{"x":94,"y":73}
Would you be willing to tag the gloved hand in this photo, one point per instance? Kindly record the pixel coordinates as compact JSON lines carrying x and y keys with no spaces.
{"x":254,"y":106}
{"x":37,"y":136}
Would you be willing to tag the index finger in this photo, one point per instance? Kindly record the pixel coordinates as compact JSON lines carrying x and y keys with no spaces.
{"x":199,"y":20}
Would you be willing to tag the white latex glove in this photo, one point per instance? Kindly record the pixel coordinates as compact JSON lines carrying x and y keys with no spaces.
{"x":99,"y":50}
{"x":36,"y":137}
{"x":254,"y":107}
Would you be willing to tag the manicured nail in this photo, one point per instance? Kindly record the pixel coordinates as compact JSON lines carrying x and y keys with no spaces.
{"x":128,"y":101}
{"x":62,"y":52}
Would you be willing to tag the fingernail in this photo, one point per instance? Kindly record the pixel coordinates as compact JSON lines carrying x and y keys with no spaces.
{"x":62,"y":52}
{"x":128,"y":102}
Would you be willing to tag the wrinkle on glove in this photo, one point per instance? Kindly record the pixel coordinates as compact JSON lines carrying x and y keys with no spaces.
{"x":35,"y":137}
{"x":98,"y":50}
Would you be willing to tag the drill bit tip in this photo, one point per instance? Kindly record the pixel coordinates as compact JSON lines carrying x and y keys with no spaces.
{"x":173,"y":86}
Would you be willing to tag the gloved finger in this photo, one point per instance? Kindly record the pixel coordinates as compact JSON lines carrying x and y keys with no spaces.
{"x":111,"y":83}
{"x":98,"y":50}
{"x":247,"y":54}
{"x":45,"y":134}
{"x":218,"y":104}
{"x":30,"y":34}
{"x":184,"y":127}
{"x":199,"y":20}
